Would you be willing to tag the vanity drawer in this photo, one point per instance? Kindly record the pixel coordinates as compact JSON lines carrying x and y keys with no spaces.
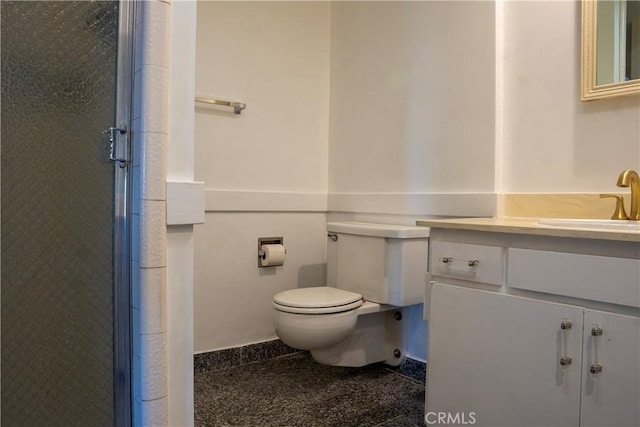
{"x":592,"y":277}
{"x":478,"y":263}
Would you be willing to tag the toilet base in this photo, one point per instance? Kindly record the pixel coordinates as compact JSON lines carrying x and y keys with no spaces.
{"x":378,"y":337}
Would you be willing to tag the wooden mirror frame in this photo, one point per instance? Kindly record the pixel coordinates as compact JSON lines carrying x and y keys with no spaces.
{"x":590,"y":90}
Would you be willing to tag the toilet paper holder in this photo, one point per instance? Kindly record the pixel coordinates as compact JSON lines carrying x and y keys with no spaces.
{"x":267,"y":241}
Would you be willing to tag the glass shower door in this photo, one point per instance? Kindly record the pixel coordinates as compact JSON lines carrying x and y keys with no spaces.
{"x":64,"y":296}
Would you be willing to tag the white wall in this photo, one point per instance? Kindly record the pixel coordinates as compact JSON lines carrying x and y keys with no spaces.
{"x":411,"y":100}
{"x":233,"y":296}
{"x":272,"y":157}
{"x":412,"y":116}
{"x":396,"y":110}
{"x":180,"y":239}
{"x":412,"y":97}
{"x":553,"y":142}
{"x":274,"y":57}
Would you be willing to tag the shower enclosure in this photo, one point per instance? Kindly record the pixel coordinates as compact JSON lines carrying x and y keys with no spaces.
{"x":66,"y":78}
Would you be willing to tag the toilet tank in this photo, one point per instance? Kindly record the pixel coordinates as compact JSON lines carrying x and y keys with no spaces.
{"x":384,"y":263}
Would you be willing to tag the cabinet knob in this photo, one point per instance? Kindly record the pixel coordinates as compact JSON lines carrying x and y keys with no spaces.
{"x":565,"y":361}
{"x":566,"y":324}
{"x":596,"y":331}
{"x":595,"y":369}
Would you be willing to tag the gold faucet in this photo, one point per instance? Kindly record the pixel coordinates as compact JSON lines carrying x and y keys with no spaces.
{"x":630,"y":178}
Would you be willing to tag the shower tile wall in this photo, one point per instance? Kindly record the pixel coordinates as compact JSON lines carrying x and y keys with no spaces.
{"x":150,"y":136}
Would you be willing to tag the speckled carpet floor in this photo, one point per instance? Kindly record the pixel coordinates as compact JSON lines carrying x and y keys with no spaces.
{"x":294,"y":390}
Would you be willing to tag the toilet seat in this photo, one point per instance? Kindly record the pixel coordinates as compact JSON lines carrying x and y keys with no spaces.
{"x":316,"y":300}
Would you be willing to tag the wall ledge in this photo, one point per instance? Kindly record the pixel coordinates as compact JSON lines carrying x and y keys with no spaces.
{"x":450,"y":204}
{"x":446,"y":204}
{"x":264,"y":201}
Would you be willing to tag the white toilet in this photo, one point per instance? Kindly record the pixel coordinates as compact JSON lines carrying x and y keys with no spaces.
{"x":373,"y":270}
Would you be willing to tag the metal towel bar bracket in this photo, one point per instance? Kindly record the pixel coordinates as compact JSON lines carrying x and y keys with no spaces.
{"x":237,"y":106}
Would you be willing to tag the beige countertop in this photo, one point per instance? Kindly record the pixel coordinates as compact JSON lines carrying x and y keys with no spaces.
{"x":529,"y":226}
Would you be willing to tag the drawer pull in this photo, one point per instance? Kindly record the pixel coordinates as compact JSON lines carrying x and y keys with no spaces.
{"x":450,"y":260}
{"x":565,"y":326}
{"x":596,"y":331}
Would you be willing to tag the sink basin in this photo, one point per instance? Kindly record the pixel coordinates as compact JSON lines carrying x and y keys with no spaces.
{"x":596,"y":224}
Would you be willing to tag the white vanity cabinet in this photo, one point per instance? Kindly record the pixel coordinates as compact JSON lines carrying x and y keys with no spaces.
{"x":612,"y":396}
{"x":508,"y":351}
{"x":498,"y":356}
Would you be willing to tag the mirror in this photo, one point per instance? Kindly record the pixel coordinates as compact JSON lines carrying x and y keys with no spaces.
{"x":610,"y":48}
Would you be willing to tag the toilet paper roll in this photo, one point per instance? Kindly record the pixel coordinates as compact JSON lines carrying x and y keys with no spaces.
{"x":273,"y":255}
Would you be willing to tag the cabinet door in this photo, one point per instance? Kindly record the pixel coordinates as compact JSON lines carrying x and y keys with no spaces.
{"x":611,"y":397}
{"x":498,"y":356}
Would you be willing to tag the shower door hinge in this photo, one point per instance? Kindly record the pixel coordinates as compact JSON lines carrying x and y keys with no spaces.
{"x":118,"y":147}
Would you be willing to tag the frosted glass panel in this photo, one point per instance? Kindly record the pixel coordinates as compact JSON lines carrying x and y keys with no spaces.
{"x":58,"y":94}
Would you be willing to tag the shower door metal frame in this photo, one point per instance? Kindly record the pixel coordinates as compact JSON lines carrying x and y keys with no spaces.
{"x":122,"y":320}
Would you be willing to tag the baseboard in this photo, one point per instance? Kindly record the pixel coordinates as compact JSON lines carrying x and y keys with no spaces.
{"x":411,"y":368}
{"x":230,"y":357}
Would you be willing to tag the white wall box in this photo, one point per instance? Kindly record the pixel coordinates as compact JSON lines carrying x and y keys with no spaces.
{"x":185,"y":203}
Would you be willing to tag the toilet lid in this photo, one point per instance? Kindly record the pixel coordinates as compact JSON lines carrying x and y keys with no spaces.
{"x":318,"y":300}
